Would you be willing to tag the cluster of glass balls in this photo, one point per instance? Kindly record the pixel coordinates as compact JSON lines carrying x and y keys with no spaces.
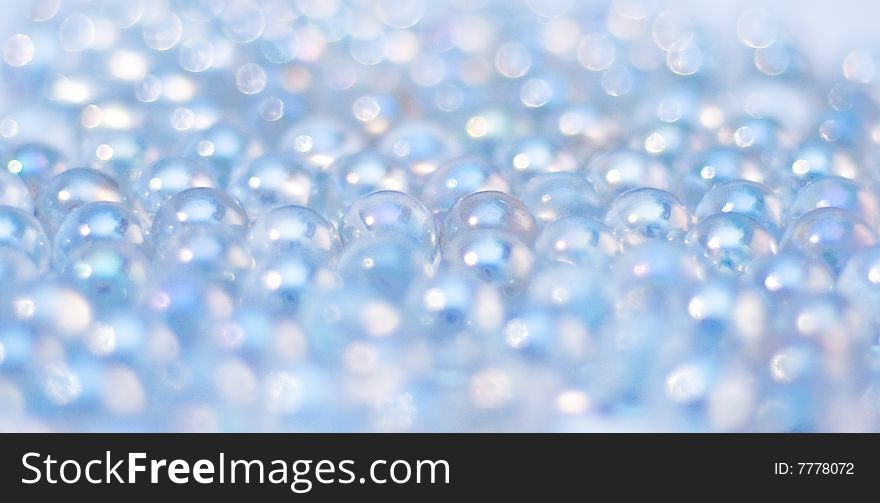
{"x":402,"y":215}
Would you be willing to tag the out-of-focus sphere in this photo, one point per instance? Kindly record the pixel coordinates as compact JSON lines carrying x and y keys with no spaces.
{"x":109,"y":272}
{"x":320,"y":141}
{"x":745,"y":197}
{"x":645,"y":214}
{"x":716,"y":166}
{"x":788,"y":275}
{"x":296,"y":229}
{"x":420,"y":146}
{"x":354,"y":176}
{"x":830,"y":234}
{"x":458,"y":178}
{"x":19,"y":231}
{"x":551,"y":196}
{"x":490,"y":209}
{"x":453,"y":302}
{"x":836,"y":192}
{"x":36,"y":164}
{"x":198,"y":206}
{"x":859,"y":281}
{"x":732,"y":241}
{"x":16,"y":268}
{"x":270,"y":181}
{"x":817,"y":159}
{"x":621,"y":170}
{"x":213,"y":252}
{"x":496,"y":256}
{"x":573,"y":290}
{"x":386,"y":264}
{"x":653,"y":274}
{"x":99,"y":221}
{"x":14,"y":192}
{"x":577,"y":240}
{"x":282,"y":281}
{"x":524,"y":158}
{"x":163,"y":179}
{"x":71,"y":189}
{"x":390,"y":213}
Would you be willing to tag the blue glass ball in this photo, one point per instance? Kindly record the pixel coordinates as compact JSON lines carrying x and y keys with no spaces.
{"x":458,"y":178}
{"x":353,"y":176}
{"x":293,"y":229}
{"x":490,"y":209}
{"x":715,"y":166}
{"x":859,"y":281}
{"x":653,"y":275}
{"x":498,"y":257}
{"x":386,"y":264}
{"x":36,"y":164}
{"x":420,"y":146}
{"x":14,"y":192}
{"x":21,"y":232}
{"x":787,"y":275}
{"x":390,"y":213}
{"x":744,"y":197}
{"x":271,"y":181}
{"x":551,"y":196}
{"x":320,"y":141}
{"x":646,"y":214}
{"x":165,"y":178}
{"x":198,"y":206}
{"x":524,"y":158}
{"x":577,"y":240}
{"x":815,"y":159}
{"x":732,"y":241}
{"x":73,"y":188}
{"x":451,"y":303}
{"x":282,"y":282}
{"x":836,"y":192}
{"x":829,"y":234}
{"x":110,"y":273}
{"x":92,"y":222}
{"x":617,"y":171}
{"x":214,"y":252}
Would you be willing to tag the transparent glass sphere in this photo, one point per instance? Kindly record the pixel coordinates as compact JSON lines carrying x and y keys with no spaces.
{"x":829,"y":234}
{"x":644,"y":214}
{"x":732,"y":241}
{"x":454,"y":302}
{"x":723,"y":306}
{"x":293,"y":229}
{"x":198,"y":206}
{"x":744,"y":197}
{"x":828,"y":320}
{"x":490,"y":209}
{"x":283,"y":281}
{"x":213,"y":252}
{"x":99,"y":221}
{"x":53,"y":307}
{"x":353,"y":327}
{"x":110,"y":273}
{"x":457,"y":178}
{"x":836,"y":192}
{"x":320,"y":141}
{"x":526,"y":157}
{"x":618,"y":171}
{"x":815,"y":159}
{"x":572,"y":291}
{"x":390,"y":213}
{"x":162,"y":179}
{"x":715,"y":166}
{"x":19,"y":231}
{"x":14,"y":192}
{"x":16,"y":268}
{"x":787,"y":275}
{"x":386,"y":264}
{"x":577,"y":240}
{"x":420,"y":146}
{"x":353,"y":176}
{"x":73,"y":188}
{"x":859,"y":281}
{"x":653,"y":275}
{"x":188,"y":301}
{"x":36,"y":164}
{"x":551,"y":196}
{"x":496,"y":256}
{"x":272,"y":181}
